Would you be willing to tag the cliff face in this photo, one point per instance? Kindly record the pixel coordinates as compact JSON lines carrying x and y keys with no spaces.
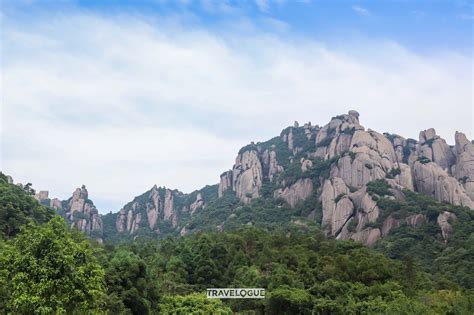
{"x":161,"y":209}
{"x":356,"y":157}
{"x":426,"y":166}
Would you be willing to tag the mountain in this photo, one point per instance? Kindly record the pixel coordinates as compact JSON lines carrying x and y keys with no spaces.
{"x":339,"y":177}
{"x":78,"y":210}
{"x":279,"y":219}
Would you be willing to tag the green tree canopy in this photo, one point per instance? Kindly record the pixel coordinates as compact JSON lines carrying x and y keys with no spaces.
{"x":49,"y":269}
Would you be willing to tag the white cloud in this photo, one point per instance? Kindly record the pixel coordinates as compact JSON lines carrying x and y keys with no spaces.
{"x":119,"y":104}
{"x":360,"y":10}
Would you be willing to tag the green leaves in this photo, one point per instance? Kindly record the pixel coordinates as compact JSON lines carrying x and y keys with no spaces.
{"x":49,"y":269}
{"x":195,"y":303}
{"x":18,"y":208}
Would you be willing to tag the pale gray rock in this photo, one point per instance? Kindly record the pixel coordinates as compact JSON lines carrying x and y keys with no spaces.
{"x":464,"y":170}
{"x":372,"y":156}
{"x":55,"y":204}
{"x":120,"y":223}
{"x":335,"y":138}
{"x":436,"y":149}
{"x":247,"y":176}
{"x":270,"y":163}
{"x":389,"y":223}
{"x":225,"y":183}
{"x":416,"y":220}
{"x":168,"y":204}
{"x":306,"y":165}
{"x":332,"y":188}
{"x":367,"y":209}
{"x":444,"y":221}
{"x":430,"y":179}
{"x":290,"y":140}
{"x":297,"y":192}
{"x":405,"y":178}
{"x":153,"y":207}
{"x":42,"y":195}
{"x":80,"y":203}
{"x":368,"y":236}
{"x":344,"y":210}
{"x":198,"y":203}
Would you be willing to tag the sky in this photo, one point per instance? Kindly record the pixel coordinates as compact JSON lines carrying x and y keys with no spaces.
{"x":122,"y":95}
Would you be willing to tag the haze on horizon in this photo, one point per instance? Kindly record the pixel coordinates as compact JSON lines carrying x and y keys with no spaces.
{"x":123,"y":97}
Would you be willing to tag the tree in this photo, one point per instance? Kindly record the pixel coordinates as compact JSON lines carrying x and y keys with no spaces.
{"x":287,"y":300}
{"x":49,"y":269}
{"x":192,"y":304}
{"x":17,"y":208}
{"x":129,"y":284}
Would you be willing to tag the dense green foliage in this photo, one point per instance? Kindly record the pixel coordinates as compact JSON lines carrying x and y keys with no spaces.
{"x":17,"y":207}
{"x":302,"y":273}
{"x":452,"y":261}
{"x":48,"y":269}
{"x":192,"y":304}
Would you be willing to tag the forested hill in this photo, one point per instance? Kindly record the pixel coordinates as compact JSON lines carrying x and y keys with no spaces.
{"x":329,"y":220}
{"x":47,"y":267}
{"x":348,"y":181}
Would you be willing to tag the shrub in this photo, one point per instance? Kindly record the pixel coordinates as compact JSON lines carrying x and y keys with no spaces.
{"x":424,"y":160}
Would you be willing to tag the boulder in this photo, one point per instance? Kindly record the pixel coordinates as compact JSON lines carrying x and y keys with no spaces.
{"x":368,"y":236}
{"x":306,"y":165}
{"x":444,"y":221}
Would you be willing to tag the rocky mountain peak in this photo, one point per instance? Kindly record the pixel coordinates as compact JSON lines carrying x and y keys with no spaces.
{"x":332,"y":167}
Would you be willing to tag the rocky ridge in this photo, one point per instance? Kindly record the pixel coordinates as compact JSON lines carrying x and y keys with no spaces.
{"x":78,"y":209}
{"x":329,"y":169}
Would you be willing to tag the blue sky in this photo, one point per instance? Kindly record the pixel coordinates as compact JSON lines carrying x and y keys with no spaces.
{"x":421,"y":25}
{"x":120,"y":95}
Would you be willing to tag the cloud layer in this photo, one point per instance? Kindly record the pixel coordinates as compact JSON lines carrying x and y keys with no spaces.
{"x":120,"y":103}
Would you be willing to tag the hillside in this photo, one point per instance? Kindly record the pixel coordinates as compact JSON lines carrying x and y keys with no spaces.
{"x":341,"y":178}
{"x":45,"y":267}
{"x":284,"y":218}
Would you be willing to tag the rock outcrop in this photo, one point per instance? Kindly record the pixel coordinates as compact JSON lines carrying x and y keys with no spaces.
{"x":297,"y":192}
{"x":415,"y":221}
{"x":436,"y":149}
{"x":198,"y":203}
{"x":156,"y":205}
{"x":432,"y":180}
{"x":464,"y":168}
{"x":80,"y":210}
{"x":444,"y":221}
{"x":333,"y":189}
{"x":247,"y":176}
{"x":334,"y":163}
{"x":270,"y":164}
{"x":360,"y":156}
{"x":368,"y":236}
{"x":225,"y":183}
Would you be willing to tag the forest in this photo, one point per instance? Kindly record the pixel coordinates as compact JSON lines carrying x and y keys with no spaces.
{"x":48,"y":268}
